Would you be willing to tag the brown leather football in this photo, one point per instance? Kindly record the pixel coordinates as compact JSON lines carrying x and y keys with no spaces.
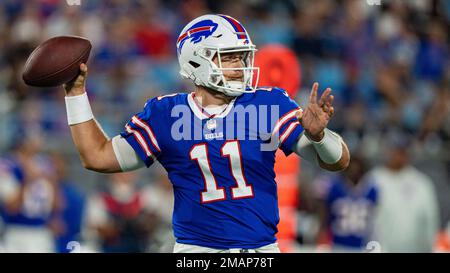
{"x":56,"y":61}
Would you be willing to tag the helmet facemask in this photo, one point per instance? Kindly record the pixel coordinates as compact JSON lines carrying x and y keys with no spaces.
{"x":216,"y":78}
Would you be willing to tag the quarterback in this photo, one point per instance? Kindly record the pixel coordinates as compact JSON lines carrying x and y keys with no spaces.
{"x":216,"y":143}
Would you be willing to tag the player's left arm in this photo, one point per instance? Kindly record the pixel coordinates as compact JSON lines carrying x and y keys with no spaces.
{"x":318,"y":143}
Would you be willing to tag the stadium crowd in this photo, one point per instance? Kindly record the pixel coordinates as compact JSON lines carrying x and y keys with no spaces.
{"x":388,"y":66}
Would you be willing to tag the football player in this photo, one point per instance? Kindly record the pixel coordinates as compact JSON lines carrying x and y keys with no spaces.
{"x":347,"y":205}
{"x":217,"y":143}
{"x":28,"y":197}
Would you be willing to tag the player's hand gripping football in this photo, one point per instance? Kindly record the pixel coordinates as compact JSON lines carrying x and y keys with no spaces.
{"x":77,"y":86}
{"x":315,"y":117}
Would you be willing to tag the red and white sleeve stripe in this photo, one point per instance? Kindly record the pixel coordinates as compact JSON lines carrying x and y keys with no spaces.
{"x":288,"y":131}
{"x":140,"y":139}
{"x":285,"y":118}
{"x":148,"y":130}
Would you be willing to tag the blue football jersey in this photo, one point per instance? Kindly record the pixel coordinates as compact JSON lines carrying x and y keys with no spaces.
{"x":36,"y":208}
{"x":221,"y":166}
{"x":351,"y":212}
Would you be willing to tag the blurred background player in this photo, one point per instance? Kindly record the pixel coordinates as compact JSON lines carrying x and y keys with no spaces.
{"x":118,"y":219}
{"x":28,"y":197}
{"x":67,"y":220}
{"x":347,"y":206}
{"x":406,"y":197}
{"x":158,"y":198}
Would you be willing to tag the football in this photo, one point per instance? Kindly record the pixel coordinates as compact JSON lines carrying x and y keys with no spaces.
{"x":56,"y":61}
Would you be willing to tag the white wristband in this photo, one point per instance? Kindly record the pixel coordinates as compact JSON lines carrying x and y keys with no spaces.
{"x":78,"y":109}
{"x":329,"y":148}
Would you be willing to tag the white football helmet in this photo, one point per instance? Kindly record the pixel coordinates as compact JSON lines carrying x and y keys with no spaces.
{"x":210,"y":35}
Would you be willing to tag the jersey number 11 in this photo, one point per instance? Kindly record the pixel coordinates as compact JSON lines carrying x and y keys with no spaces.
{"x":213,"y":192}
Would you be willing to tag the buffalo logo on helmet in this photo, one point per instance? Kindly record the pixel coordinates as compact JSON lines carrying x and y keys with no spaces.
{"x":197,"y":33}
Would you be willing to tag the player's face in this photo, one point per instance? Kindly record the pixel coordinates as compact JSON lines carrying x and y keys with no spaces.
{"x":232,"y":60}
{"x":355,"y":170}
{"x":398,"y":158}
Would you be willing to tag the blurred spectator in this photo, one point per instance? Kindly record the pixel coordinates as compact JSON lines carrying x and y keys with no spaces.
{"x":407,"y":214}
{"x":66,"y":224}
{"x":432,"y":58}
{"x":160,"y":200}
{"x":347,"y":208}
{"x":27,"y":197}
{"x":437,"y":119}
{"x":118,"y":219}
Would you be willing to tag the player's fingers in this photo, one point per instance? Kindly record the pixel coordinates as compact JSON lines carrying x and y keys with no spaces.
{"x":81,"y":78}
{"x":83,"y":70}
{"x":324,"y":97}
{"x":66,"y":86}
{"x":313,"y":95}
{"x":299,"y":114}
{"x":330,"y":100}
{"x":331,"y":112}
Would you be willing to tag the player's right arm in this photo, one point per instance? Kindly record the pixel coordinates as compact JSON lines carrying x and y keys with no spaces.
{"x":93,"y":145}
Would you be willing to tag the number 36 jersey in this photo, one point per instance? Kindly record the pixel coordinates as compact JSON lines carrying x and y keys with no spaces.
{"x":221,"y":166}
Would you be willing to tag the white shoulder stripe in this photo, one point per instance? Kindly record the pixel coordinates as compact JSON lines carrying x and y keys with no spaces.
{"x":147,"y":129}
{"x":288,"y":131}
{"x":283,"y":120}
{"x":141,"y":141}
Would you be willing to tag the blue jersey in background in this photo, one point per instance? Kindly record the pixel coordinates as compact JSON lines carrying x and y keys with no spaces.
{"x":350,"y":211}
